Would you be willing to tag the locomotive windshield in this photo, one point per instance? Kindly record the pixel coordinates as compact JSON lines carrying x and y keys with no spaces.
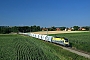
{"x":66,"y":40}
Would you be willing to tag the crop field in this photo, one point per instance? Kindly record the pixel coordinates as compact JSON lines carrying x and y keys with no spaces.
{"x":57,"y":32}
{"x":79,"y":41}
{"x":17,"y":47}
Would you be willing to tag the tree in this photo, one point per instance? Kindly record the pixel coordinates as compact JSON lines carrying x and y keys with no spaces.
{"x":76,"y":28}
{"x":62,"y":28}
{"x":53,"y":28}
{"x":87,"y":28}
{"x":14,"y":29}
{"x":5,"y":29}
{"x":38,"y":28}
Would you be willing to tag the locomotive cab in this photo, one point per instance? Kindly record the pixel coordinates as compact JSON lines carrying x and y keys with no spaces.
{"x":60,"y":40}
{"x":66,"y":42}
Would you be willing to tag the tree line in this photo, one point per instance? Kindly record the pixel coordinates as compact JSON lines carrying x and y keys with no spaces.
{"x":17,"y":29}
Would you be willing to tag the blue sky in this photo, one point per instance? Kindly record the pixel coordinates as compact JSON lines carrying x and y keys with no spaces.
{"x":45,"y":13}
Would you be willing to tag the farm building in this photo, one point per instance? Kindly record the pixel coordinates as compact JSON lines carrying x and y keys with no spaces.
{"x":83,"y":29}
{"x":58,"y":29}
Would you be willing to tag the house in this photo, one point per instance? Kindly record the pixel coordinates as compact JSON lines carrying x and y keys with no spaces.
{"x":44,"y":29}
{"x":58,"y":29}
{"x":69,"y":29}
{"x":83,"y":29}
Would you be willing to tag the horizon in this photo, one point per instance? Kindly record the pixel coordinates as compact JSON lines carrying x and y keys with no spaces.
{"x":43,"y":27}
{"x":45,"y":13}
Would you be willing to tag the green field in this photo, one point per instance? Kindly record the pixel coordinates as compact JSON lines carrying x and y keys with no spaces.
{"x":16,"y":47}
{"x":79,"y":41}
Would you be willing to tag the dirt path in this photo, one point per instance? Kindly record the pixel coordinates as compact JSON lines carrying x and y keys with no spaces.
{"x":77,"y":52}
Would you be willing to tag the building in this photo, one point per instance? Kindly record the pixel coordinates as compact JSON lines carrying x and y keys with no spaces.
{"x":83,"y":29}
{"x":58,"y":29}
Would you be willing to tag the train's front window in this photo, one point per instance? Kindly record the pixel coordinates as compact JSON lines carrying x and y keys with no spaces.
{"x":66,"y":40}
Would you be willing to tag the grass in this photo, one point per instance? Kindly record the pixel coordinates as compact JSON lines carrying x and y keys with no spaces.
{"x":16,"y":47}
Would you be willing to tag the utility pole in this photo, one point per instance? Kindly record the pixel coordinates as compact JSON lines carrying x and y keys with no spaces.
{"x":23,"y":31}
{"x":30,"y":30}
{"x":47,"y":31}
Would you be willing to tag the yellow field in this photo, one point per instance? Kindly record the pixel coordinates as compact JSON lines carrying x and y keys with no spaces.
{"x":57,"y":32}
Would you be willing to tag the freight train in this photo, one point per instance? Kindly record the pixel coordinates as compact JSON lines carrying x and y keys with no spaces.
{"x":54,"y":39}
